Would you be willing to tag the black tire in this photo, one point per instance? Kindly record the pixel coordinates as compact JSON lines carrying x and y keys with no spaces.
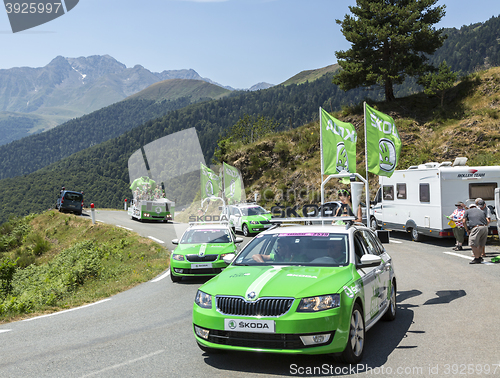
{"x":353,"y":352}
{"x":373,"y":223}
{"x":390,"y":314}
{"x":245,"y":230}
{"x":415,"y":236}
{"x":175,"y":278}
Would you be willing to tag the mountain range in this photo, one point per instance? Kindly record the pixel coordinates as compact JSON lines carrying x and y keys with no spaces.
{"x":37,"y":99}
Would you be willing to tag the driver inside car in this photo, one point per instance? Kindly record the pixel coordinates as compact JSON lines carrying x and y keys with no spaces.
{"x":284,"y":251}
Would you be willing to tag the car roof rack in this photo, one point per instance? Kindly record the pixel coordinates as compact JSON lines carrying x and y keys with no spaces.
{"x":325,"y":221}
{"x":208,"y":223}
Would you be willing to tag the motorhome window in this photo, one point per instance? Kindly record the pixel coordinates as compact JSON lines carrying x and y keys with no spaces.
{"x":484,"y":190}
{"x":401,"y":188}
{"x":425,"y":193}
{"x":388,"y":192}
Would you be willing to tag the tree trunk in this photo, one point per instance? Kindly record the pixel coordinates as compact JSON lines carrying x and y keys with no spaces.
{"x":389,"y":92}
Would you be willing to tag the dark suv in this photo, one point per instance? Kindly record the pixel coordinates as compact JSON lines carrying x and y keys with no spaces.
{"x":69,"y":201}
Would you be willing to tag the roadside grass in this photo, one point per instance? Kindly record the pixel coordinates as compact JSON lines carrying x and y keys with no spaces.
{"x":53,"y":261}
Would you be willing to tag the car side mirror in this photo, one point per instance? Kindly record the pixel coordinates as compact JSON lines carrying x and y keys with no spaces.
{"x":368,"y":261}
{"x":175,"y":241}
{"x":228,"y":259}
{"x":238,"y":240}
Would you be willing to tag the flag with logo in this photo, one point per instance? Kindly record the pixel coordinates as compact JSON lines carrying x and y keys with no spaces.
{"x":338,"y":145}
{"x":232,"y":183}
{"x":383,"y":144}
{"x":210,"y":182}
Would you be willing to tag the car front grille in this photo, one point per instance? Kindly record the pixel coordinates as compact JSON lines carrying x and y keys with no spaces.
{"x":261,"y":307}
{"x":213,"y":271}
{"x":259,"y":340}
{"x":265,"y":222}
{"x":197,"y":258}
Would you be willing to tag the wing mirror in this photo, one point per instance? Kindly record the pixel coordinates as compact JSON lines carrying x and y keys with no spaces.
{"x":368,"y":261}
{"x":175,"y":241}
{"x":238,"y":240}
{"x":228,"y":259}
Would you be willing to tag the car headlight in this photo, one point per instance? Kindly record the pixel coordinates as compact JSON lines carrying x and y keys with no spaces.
{"x":203,"y":300}
{"x":178,"y":257}
{"x":319,"y":303}
{"x":254,"y":222}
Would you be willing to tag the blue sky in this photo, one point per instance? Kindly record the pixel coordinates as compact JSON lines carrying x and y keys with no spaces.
{"x":233,"y":42}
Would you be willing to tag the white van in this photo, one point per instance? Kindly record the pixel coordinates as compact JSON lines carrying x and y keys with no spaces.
{"x":418,"y":199}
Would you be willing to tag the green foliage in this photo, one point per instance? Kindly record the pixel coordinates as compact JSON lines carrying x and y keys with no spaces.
{"x":390,"y":41}
{"x":437,"y":83}
{"x":7,"y":270}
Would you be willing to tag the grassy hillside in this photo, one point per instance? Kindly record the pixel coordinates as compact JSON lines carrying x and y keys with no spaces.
{"x":55,"y":261}
{"x":176,"y":88}
{"x":285,"y":167}
{"x":311,"y":75}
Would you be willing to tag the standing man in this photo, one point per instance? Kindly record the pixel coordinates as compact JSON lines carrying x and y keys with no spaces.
{"x":482,"y":206}
{"x":477,"y":229}
{"x":458,"y":231}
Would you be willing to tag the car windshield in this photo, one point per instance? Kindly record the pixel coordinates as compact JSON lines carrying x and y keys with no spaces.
{"x":289,"y":248}
{"x":206,"y":236}
{"x":73,"y":196}
{"x":256,"y":210}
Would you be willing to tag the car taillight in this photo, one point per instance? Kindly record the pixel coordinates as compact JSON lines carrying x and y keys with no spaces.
{"x":62,"y":200}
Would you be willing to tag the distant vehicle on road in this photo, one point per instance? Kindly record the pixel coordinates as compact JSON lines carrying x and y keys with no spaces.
{"x":70,"y":201}
{"x":248,"y":218}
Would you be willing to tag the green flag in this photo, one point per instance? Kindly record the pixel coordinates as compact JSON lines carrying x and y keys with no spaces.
{"x":383,"y":143}
{"x":338,"y":145}
{"x":232,"y":183}
{"x":210,"y":182}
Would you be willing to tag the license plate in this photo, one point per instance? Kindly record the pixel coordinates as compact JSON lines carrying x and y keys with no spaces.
{"x":267,"y":225}
{"x":240,"y":325}
{"x":201,"y":266}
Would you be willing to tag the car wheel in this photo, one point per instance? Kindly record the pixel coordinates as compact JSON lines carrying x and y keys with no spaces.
{"x":245,"y":230}
{"x":353,"y":351}
{"x":373,"y":224}
{"x":415,"y":236}
{"x":391,"y":311}
{"x":174,"y":278}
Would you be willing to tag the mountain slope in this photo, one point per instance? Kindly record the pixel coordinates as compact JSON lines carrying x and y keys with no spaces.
{"x":67,"y":88}
{"x":37,"y":151}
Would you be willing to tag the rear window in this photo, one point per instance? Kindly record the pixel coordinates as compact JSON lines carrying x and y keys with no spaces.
{"x":73,"y":197}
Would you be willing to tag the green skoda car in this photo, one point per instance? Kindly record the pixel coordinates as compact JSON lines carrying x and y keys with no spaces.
{"x":305,"y":289}
{"x":248,"y":218}
{"x":201,"y":250}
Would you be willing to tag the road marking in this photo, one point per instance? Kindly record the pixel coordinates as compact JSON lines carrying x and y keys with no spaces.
{"x":126,"y":228}
{"x":156,"y":240}
{"x":467,"y":257}
{"x":162,"y":276}
{"x":395,"y":241}
{"x":5,"y":330}
{"x":71,"y":309}
{"x":124,"y":363}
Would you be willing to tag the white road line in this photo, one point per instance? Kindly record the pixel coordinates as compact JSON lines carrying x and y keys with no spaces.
{"x":161,"y":277}
{"x":123,"y":364}
{"x":126,"y":228}
{"x":467,"y":257}
{"x":156,"y":240}
{"x":395,"y":241}
{"x":71,"y":309}
{"x":5,"y":330}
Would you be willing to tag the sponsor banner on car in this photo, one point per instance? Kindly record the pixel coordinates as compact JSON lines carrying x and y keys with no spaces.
{"x":257,"y":325}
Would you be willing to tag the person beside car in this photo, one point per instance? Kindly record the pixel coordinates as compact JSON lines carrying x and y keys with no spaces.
{"x":459,"y":229}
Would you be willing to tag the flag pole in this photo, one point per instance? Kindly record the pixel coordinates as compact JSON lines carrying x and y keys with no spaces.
{"x":367,"y":188}
{"x":321,"y":152}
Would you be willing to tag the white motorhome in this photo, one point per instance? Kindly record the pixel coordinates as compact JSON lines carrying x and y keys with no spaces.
{"x":418,"y":199}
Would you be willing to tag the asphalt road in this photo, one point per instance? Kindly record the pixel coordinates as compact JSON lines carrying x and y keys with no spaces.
{"x":447,"y":325}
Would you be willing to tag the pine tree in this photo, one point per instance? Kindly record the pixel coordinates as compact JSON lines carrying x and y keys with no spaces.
{"x":390,"y":40}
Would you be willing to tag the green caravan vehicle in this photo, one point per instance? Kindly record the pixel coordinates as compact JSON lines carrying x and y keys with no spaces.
{"x":149,"y":202}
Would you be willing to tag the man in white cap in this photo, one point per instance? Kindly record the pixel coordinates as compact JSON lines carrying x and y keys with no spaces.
{"x":477,"y":228}
{"x":482,"y":205}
